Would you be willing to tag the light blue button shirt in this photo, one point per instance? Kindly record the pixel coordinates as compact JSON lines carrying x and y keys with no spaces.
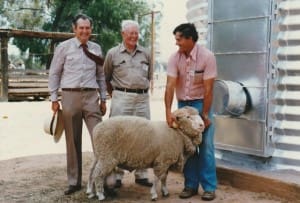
{"x":71,"y":68}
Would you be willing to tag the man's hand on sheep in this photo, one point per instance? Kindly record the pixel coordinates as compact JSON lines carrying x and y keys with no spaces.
{"x":206,"y":120}
{"x":132,"y":142}
{"x":170,"y":120}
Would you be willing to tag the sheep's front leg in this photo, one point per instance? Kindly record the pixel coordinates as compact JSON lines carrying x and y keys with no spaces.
{"x":164,"y":189}
{"x":153,"y":189}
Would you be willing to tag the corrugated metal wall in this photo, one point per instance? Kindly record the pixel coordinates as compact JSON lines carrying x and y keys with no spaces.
{"x":198,"y":14}
{"x":286,"y":60}
{"x":284,"y":75}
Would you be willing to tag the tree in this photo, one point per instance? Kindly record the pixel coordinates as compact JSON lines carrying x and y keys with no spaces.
{"x":57,"y":15}
{"x":106,"y":14}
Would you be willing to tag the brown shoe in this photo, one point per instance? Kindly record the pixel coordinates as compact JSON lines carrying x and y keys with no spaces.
{"x":72,"y":188}
{"x":143,"y":182}
{"x":187,"y":193}
{"x":208,"y":196}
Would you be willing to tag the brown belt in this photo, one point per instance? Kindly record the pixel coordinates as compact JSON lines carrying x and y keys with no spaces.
{"x":138,"y":91}
{"x":80,"y":89}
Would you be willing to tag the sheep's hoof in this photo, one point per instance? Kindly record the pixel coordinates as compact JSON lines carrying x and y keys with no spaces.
{"x":89,"y":191}
{"x":100,"y":196}
{"x":166,"y":195}
{"x":154,"y":197}
{"x":91,"y":195}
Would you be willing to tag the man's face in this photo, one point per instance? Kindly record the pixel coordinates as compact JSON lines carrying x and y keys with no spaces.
{"x":130,"y":36}
{"x":185,"y":45}
{"x":82,"y":30}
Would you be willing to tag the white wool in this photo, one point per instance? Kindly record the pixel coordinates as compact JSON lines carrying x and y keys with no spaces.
{"x":136,"y":143}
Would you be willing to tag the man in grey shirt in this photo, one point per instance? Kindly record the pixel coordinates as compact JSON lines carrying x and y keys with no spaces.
{"x":82,"y":80}
{"x":128,"y":74}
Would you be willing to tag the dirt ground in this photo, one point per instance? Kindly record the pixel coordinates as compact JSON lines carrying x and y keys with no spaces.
{"x":33,"y":167}
{"x":42,"y":178}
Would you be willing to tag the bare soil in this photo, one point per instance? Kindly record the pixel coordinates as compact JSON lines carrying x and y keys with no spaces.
{"x":33,"y":167}
{"x":42,"y":178}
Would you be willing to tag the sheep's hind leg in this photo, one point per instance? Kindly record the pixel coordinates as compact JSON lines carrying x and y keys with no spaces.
{"x":102,"y":169}
{"x":90,"y":191}
{"x":153,"y":192}
{"x":99,"y":177}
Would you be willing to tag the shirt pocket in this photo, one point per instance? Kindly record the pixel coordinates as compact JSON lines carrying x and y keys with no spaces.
{"x":198,"y":76}
{"x":70,"y":60}
{"x":72,"y":63}
{"x":121,"y":69}
{"x":145,"y":69}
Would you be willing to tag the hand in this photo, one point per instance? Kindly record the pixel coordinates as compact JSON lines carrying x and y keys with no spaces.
{"x":103,"y":108}
{"x":55,"y":106}
{"x":206,"y":120}
{"x":170,"y":119}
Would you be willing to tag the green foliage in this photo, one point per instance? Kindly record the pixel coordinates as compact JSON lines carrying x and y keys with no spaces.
{"x":57,"y":15}
{"x":107,"y":16}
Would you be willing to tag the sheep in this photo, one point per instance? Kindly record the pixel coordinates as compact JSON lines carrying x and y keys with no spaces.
{"x":131,"y":142}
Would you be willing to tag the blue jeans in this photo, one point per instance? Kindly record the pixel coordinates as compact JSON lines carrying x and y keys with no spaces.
{"x":201,"y":168}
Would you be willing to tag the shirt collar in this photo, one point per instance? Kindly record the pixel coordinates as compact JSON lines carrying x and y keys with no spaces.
{"x":78,"y":43}
{"x":123,"y":48}
{"x":193,"y":54}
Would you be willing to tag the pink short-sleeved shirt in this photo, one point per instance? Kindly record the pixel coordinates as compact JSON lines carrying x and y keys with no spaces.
{"x":190,"y":72}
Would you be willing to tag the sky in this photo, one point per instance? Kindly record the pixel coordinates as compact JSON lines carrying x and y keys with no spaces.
{"x":174,"y":13}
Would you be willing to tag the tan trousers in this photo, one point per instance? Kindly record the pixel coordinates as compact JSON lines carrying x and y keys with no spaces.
{"x":78,"y":106}
{"x":131,"y":104}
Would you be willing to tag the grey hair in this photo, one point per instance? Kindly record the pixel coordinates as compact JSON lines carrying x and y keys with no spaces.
{"x":126,"y":23}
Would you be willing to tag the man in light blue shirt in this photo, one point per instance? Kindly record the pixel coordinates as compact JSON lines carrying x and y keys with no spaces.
{"x":82,"y":81}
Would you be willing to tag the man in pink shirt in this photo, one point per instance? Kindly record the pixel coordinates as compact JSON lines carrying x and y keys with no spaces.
{"x":191,"y":73}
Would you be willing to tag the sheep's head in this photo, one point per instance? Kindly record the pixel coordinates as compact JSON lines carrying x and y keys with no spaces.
{"x":188,"y":120}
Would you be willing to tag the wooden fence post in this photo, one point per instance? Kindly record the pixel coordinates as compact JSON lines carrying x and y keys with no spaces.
{"x":4,"y":69}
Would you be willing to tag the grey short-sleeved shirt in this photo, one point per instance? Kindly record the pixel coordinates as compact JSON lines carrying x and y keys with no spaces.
{"x":128,"y":70}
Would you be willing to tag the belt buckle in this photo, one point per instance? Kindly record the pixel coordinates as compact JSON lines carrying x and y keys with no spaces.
{"x":83,"y":89}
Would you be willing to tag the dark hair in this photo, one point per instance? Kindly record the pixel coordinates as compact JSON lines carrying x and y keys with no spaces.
{"x":187,"y":30}
{"x":81,"y":16}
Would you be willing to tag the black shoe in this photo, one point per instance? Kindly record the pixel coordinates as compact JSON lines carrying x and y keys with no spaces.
{"x":72,"y":189}
{"x":143,"y":182}
{"x":187,"y":193}
{"x":110,"y":192}
{"x":208,"y":196}
{"x":118,"y":183}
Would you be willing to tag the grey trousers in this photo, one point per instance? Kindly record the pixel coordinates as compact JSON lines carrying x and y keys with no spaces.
{"x":132,"y":104}
{"x":78,"y":106}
